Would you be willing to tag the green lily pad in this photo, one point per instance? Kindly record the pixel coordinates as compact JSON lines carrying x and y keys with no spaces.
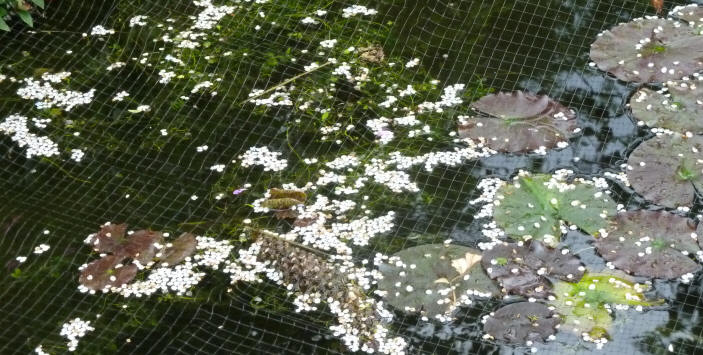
{"x":521,"y":322}
{"x":649,"y":50}
{"x":651,"y":243}
{"x":107,"y":272}
{"x":523,"y":269}
{"x":179,"y":249}
{"x":519,"y":122}
{"x":667,"y":169}
{"x":679,"y":108}
{"x":534,"y":206}
{"x":434,"y":279}
{"x":585,"y":306}
{"x":280,"y":199}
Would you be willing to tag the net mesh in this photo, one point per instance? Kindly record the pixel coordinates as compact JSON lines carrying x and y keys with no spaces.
{"x":146,"y":168}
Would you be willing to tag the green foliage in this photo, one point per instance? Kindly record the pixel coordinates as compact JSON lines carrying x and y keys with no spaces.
{"x":21,"y":8}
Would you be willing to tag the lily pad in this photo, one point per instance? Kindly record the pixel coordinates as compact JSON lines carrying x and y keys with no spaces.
{"x":651,"y":243}
{"x":140,"y":245}
{"x":649,"y":50}
{"x":280,"y":199}
{"x":110,"y":237}
{"x":519,"y":122}
{"x":534,"y":206}
{"x":584,"y":306}
{"x":523,"y":269}
{"x":181,"y":248}
{"x":667,"y":169}
{"x":107,"y":272}
{"x":679,"y":108}
{"x":434,"y":278}
{"x":692,"y":13}
{"x":522,"y":322}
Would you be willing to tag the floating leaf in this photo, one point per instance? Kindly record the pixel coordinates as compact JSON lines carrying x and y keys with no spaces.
{"x":582,"y":305}
{"x":522,"y":269}
{"x":433,"y":278}
{"x":109,"y":238}
{"x":667,"y":169}
{"x":522,"y":322}
{"x":181,"y":248}
{"x":140,"y":245}
{"x":280,"y":199}
{"x":692,"y":13}
{"x":107,"y":272}
{"x":533,"y":207}
{"x":651,"y":243}
{"x":519,"y":122}
{"x":649,"y":50}
{"x":679,"y":110}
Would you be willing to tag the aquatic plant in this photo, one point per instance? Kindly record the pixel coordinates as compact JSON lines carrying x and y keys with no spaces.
{"x":586,"y":306}
{"x":667,"y":169}
{"x":537,"y":206}
{"x":676,"y":107}
{"x":519,"y":122}
{"x":647,"y":50}
{"x":651,"y":243}
{"x":434,"y":279}
{"x":521,"y":323}
{"x":525,"y":268}
{"x":19,"y":8}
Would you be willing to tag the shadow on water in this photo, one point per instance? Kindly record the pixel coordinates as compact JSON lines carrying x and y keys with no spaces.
{"x":135,"y":175}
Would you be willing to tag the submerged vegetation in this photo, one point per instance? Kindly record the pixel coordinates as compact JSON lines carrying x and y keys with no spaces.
{"x":318,"y":149}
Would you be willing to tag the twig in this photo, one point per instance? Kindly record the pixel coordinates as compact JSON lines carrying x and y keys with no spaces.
{"x":284,"y":83}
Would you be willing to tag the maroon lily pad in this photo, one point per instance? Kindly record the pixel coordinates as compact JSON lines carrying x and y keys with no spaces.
{"x":523,"y":269}
{"x":179,"y":249}
{"x":667,"y":169}
{"x":519,"y":122}
{"x":107,"y":272}
{"x":651,"y":243}
{"x":140,"y":245}
{"x":110,"y":237}
{"x":522,"y":322}
{"x":678,"y":107}
{"x":649,"y":50}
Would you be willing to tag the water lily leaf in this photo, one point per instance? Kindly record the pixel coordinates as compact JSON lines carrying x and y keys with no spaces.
{"x":433,"y":278}
{"x":522,"y":322}
{"x":667,"y":169}
{"x":582,"y":305}
{"x":523,"y":269}
{"x":649,"y":50}
{"x":280,"y":199}
{"x":692,"y":13}
{"x":110,"y":237}
{"x":651,"y":243}
{"x":519,"y":122}
{"x":679,"y":108}
{"x":179,"y":249}
{"x":107,"y":272}
{"x":533,"y":207}
{"x":140,"y":245}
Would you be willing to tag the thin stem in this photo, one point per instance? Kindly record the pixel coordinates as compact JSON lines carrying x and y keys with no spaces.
{"x":286,"y":82}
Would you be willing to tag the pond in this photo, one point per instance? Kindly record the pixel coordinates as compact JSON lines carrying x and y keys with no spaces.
{"x":323,"y":137}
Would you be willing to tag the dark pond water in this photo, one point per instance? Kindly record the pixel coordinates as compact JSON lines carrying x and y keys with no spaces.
{"x":132,"y":173}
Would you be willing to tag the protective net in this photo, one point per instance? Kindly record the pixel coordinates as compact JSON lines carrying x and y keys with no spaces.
{"x":211,"y":118}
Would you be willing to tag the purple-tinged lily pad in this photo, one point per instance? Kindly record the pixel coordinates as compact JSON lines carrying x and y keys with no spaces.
{"x":522,"y":322}
{"x":107,"y":272}
{"x":140,"y":245}
{"x":667,"y":169}
{"x":679,"y":108}
{"x":692,"y":13}
{"x":434,"y":279}
{"x":179,"y":249}
{"x":533,"y":207}
{"x":110,"y":237}
{"x":519,"y":122}
{"x":651,"y":243}
{"x":649,"y":50}
{"x":523,"y":269}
